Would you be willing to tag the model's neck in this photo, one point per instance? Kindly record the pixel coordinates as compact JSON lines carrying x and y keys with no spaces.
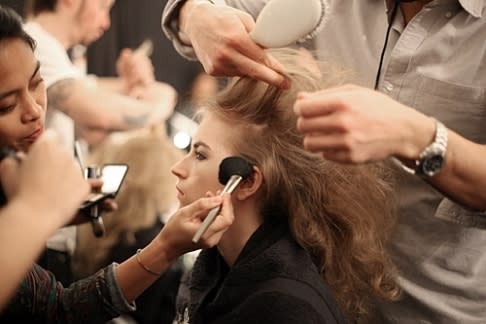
{"x":58,"y":26}
{"x":247,"y":221}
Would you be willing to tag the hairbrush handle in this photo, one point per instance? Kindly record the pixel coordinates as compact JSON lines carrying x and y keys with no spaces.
{"x":229,"y":188}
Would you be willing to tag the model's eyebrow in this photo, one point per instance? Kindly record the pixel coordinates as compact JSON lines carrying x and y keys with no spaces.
{"x":11,"y":92}
{"x":199,"y":143}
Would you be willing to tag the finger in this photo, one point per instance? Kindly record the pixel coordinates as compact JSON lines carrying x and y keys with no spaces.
{"x":200,"y":207}
{"x":223,"y":221}
{"x":109,"y":205}
{"x":95,"y":183}
{"x":326,"y":124}
{"x":320,"y":103}
{"x":259,"y":71}
{"x":324,"y":142}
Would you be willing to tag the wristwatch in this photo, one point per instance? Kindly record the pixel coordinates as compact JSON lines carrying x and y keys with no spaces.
{"x":432,"y":158}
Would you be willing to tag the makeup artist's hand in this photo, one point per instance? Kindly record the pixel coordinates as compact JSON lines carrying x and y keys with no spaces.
{"x":177,"y":234}
{"x":48,"y":179}
{"x":106,"y":206}
{"x":220,"y":37}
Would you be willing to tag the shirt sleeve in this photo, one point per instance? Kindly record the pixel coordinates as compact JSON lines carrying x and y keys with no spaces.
{"x":170,"y":20}
{"x":95,"y":299}
{"x":55,"y":63}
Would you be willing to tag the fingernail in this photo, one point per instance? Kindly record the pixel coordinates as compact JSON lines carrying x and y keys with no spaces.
{"x":286,"y":83}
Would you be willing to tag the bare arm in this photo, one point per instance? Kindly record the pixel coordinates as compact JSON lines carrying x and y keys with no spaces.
{"x":34,"y":210}
{"x":463,"y":177}
{"x":348,"y":124}
{"x":94,"y":107}
{"x":173,"y":241}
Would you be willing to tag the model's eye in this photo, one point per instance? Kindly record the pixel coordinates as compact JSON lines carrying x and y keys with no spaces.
{"x":199,"y":156}
{"x":6,"y":109}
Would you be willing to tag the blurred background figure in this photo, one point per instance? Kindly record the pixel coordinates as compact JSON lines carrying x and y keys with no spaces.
{"x":188,"y":78}
{"x":146,"y":198}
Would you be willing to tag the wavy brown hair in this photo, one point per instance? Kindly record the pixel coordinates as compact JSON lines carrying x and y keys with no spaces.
{"x":148,"y":191}
{"x":341,"y":214}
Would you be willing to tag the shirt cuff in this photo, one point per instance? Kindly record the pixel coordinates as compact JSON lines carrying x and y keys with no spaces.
{"x":117,"y":298}
{"x":170,"y":26}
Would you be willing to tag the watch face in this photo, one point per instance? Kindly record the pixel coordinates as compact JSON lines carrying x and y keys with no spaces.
{"x":432,"y":165}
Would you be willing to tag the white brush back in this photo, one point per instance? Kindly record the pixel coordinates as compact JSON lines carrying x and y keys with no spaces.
{"x":283,"y":22}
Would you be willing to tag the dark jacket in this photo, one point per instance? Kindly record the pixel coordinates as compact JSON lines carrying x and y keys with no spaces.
{"x":272,"y":281}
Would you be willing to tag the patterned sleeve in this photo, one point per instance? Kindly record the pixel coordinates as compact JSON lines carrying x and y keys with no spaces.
{"x":42,"y":299}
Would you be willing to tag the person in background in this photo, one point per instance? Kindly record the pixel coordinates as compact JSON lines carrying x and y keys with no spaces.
{"x":130,"y":101}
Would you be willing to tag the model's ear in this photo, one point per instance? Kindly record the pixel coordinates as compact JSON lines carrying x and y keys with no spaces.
{"x":250,"y":186}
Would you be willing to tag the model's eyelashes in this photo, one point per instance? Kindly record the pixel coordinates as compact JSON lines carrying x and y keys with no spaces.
{"x":6,"y":109}
{"x":199,"y":156}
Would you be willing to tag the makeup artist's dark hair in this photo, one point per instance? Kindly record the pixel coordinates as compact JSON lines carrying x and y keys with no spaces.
{"x":341,"y":214}
{"x":11,"y":27}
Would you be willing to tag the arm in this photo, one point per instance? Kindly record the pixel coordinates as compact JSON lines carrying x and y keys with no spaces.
{"x":112,"y":290}
{"x":92,"y":107}
{"x":174,"y":240}
{"x":219,"y":36}
{"x":348,"y":124}
{"x":34,"y":210}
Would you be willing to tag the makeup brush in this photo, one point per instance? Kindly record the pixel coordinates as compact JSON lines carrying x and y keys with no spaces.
{"x":283,"y":22}
{"x":232,"y":170}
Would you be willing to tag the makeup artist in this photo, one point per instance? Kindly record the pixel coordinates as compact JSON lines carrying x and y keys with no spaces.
{"x":31,"y":215}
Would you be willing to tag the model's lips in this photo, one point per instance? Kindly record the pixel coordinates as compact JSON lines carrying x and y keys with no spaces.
{"x":179,"y":191}
{"x":35,"y":134}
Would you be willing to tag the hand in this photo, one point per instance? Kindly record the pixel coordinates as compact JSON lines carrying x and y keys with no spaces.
{"x":135,"y":68}
{"x":221,"y":40}
{"x":353,"y":124}
{"x":107,"y":205}
{"x":161,"y":95}
{"x":48,"y":179}
{"x":178,"y":232}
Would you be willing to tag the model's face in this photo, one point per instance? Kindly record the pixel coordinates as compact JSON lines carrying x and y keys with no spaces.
{"x":197,"y":172}
{"x":93,"y":18}
{"x":22,"y":95}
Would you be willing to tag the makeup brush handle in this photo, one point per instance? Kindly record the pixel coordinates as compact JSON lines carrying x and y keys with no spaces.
{"x":206,"y":223}
{"x":230,"y":186}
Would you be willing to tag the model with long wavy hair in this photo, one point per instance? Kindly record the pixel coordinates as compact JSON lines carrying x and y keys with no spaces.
{"x":339,"y":214}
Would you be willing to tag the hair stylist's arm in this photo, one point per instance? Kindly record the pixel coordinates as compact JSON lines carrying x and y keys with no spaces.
{"x":44,"y":192}
{"x":174,"y":240}
{"x":221,"y":40}
{"x":348,"y":124}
